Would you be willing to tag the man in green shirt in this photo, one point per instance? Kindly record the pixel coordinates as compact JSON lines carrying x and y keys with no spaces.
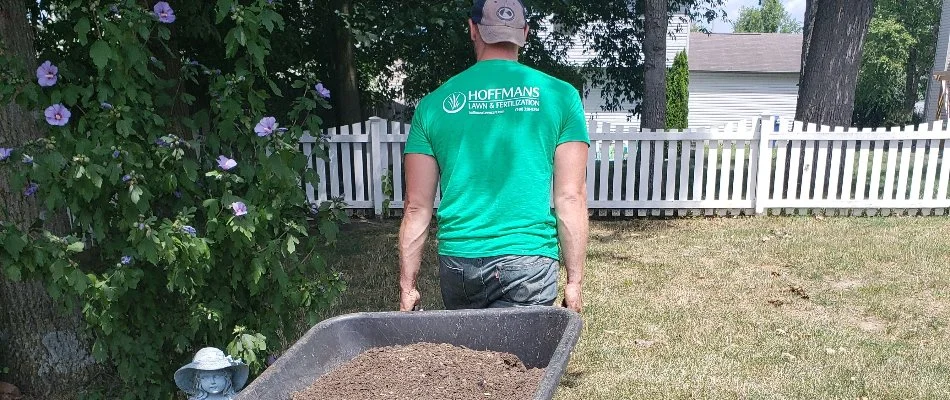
{"x":498,"y":137}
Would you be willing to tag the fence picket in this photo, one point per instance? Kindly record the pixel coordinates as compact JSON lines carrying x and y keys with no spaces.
{"x":794,"y":169}
{"x":904,"y":169}
{"x":738,"y":178}
{"x":920,"y":146}
{"x":631,"y":169}
{"x":334,"y":168}
{"x":619,"y":156}
{"x":686,"y":154}
{"x":698,"y":169}
{"x":397,"y":158}
{"x":878,"y":155}
{"x":823,"y":151}
{"x":781,"y":157}
{"x":591,"y":162}
{"x":891,"y":171}
{"x":605,"y":160}
{"x":671,"y":162}
{"x":359,"y":152}
{"x":808,"y":166}
{"x":646,"y":160}
{"x":862,"y":177}
{"x":834,"y":167}
{"x":712,"y":167}
{"x":726,"y":169}
{"x":944,"y":171}
{"x":308,"y":152}
{"x":657,"y":177}
{"x":929,"y":182}
{"x":847,"y":178}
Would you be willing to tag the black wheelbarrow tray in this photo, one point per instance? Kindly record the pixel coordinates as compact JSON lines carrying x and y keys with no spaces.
{"x":542,"y":337}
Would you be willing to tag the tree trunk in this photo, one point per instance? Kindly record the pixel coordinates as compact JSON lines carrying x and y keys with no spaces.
{"x":653,"y":115}
{"x":811,"y":6}
{"x":830,"y":73}
{"x":41,"y":345}
{"x":910,"y":88}
{"x":346,"y":97}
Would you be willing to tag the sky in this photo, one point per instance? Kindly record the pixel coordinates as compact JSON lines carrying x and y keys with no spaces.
{"x":794,"y":7}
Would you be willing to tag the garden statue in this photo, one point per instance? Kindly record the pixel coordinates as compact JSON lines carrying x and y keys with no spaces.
{"x":211,"y":376}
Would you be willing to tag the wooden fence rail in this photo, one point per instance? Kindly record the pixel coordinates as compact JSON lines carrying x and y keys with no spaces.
{"x":748,"y":167}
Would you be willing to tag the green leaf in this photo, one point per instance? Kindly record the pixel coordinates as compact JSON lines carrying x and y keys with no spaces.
{"x":78,"y":281}
{"x":82,"y":30}
{"x":12,"y":271}
{"x":100,"y":53}
{"x":292,"y":242}
{"x":135,"y":193}
{"x":273,"y":87}
{"x":75,"y":247}
{"x":14,"y":244}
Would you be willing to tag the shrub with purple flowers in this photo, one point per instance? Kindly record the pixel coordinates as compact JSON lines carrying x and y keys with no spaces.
{"x":172,"y":246}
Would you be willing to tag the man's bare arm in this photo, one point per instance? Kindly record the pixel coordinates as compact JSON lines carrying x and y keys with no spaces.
{"x":422,"y":177}
{"x":570,"y":204}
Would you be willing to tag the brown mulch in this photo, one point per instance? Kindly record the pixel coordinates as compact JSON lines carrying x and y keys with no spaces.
{"x":426,"y":371}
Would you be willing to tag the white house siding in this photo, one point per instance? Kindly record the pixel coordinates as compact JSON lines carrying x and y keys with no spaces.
{"x":717,"y":98}
{"x":940,"y":62}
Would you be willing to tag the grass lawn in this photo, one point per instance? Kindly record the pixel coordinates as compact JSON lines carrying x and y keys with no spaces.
{"x":736,"y":308}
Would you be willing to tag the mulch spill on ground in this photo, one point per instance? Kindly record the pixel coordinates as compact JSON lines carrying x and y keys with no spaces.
{"x":426,"y":371}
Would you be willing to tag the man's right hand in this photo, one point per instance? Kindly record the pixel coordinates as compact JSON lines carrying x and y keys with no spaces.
{"x":573,"y":298}
{"x":409,"y":300}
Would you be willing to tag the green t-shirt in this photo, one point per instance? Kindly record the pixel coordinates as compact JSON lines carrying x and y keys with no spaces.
{"x":493,"y":129}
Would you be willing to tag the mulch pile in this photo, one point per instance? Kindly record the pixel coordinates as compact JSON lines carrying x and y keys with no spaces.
{"x":426,"y":371}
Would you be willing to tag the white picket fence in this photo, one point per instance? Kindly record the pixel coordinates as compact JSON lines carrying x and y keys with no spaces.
{"x":749,"y":167}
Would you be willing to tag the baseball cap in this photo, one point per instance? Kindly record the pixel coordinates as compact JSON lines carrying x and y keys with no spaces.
{"x":500,"y":20}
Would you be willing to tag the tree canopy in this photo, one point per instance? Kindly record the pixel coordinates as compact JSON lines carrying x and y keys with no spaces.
{"x":770,"y":17}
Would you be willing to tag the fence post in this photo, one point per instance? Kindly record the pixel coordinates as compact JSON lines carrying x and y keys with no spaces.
{"x":375,"y":149}
{"x":760,"y":194}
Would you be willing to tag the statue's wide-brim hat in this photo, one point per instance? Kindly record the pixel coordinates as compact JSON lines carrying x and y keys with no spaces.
{"x":211,"y":359}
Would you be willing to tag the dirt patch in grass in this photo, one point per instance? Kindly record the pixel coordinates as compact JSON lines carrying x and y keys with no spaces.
{"x":426,"y":371}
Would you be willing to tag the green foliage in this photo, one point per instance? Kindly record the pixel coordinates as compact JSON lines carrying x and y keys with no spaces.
{"x":901,"y":40}
{"x":770,"y":17}
{"x":879,"y":96}
{"x":677,"y":93}
{"x":421,"y":43}
{"x":156,"y":257}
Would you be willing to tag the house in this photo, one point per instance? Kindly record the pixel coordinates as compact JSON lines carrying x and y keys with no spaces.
{"x":677,"y":40}
{"x":941,"y":63}
{"x":742,"y":76}
{"x":732,"y":76}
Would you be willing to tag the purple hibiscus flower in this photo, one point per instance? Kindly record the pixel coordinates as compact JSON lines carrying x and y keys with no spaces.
{"x":189,"y":230}
{"x":46,"y":74}
{"x":57,"y":115}
{"x":5,"y":153}
{"x":115,"y":154}
{"x":226,"y":163}
{"x":239,"y":208}
{"x":126,"y":260}
{"x":126,"y":178}
{"x":164,"y":12}
{"x":267,"y":126}
{"x":106,"y":106}
{"x":31,"y":189}
{"x":322,"y":91}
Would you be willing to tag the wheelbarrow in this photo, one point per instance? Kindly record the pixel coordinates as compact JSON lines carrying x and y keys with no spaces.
{"x":542,"y":337}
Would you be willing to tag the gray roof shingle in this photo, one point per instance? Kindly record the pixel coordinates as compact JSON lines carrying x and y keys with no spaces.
{"x":745,"y":52}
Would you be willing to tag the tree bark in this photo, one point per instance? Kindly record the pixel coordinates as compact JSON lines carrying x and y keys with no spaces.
{"x":811,"y":6}
{"x":41,"y":345}
{"x":346,"y":97}
{"x":653,"y":115}
{"x":830,"y":73}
